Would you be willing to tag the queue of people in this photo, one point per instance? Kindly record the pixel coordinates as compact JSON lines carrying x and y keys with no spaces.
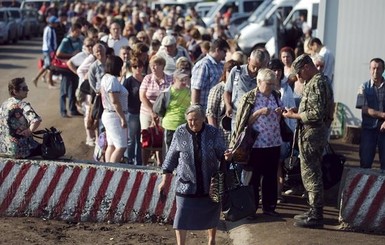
{"x":184,"y":83}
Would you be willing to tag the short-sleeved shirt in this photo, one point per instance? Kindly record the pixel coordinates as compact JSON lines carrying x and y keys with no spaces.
{"x":110,"y":84}
{"x":238,"y":83}
{"x":69,"y":45}
{"x":206,"y":73}
{"x":170,"y":66}
{"x":77,"y":60}
{"x":153,"y":89}
{"x":116,"y":44}
{"x":132,"y":85}
{"x":179,"y":102}
{"x":15,"y":116}
{"x":267,"y":125}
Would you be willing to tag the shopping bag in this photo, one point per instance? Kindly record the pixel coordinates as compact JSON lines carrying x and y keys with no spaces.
{"x":238,"y":203}
{"x":152,"y":137}
{"x":244,"y":144}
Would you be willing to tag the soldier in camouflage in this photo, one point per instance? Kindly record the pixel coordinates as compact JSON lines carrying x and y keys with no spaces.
{"x":315,"y":114}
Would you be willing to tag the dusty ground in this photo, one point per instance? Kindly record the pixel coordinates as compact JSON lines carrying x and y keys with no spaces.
{"x":39,"y":231}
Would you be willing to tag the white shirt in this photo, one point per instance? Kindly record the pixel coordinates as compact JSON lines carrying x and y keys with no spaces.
{"x":329,"y":62}
{"x":116,"y":44}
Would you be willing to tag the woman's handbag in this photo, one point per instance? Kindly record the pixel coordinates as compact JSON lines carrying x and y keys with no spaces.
{"x":152,"y":137}
{"x":244,"y":144}
{"x":52,"y":146}
{"x":58,"y":65}
{"x":238,"y":200}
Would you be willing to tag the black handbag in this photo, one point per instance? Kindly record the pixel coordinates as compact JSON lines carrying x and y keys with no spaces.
{"x":238,"y":203}
{"x":52,"y":146}
{"x":332,"y":167}
{"x":238,"y":200}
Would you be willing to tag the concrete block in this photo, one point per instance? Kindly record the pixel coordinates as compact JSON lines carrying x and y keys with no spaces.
{"x":84,"y":192}
{"x":362,"y":205}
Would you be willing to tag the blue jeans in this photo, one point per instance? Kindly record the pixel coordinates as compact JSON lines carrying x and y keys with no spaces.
{"x":134,"y":148}
{"x":370,"y":140}
{"x":68,"y":86}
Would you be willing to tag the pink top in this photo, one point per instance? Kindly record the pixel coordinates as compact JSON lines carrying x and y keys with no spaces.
{"x":267,"y":125}
{"x":153,"y":89}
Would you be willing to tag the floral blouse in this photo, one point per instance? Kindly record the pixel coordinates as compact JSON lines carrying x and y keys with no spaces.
{"x":267,"y":125}
{"x":16,"y":116}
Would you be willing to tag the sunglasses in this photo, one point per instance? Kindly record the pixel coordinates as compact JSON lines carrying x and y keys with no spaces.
{"x":89,"y":45}
{"x":25,"y":89}
{"x":134,"y":66}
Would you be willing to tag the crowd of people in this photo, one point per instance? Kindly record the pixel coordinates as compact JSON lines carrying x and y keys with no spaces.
{"x":157,"y":67}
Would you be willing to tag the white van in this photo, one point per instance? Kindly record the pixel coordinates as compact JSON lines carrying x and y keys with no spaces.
{"x":240,"y":8}
{"x":259,"y":28}
{"x":203,"y":8}
{"x":306,"y":9}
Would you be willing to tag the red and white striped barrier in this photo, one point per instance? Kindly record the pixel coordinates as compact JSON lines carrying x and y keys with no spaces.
{"x":363,"y":200}
{"x":83,"y":192}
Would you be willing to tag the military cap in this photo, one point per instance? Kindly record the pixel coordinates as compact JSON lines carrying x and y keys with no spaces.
{"x":299,"y":62}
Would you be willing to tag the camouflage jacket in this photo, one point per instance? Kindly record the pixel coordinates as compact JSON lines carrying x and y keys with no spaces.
{"x":317,"y":103}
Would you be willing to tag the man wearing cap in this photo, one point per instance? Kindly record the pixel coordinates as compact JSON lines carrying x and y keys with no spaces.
{"x":171,"y":52}
{"x":314,"y":115}
{"x":207,"y":72}
{"x":49,"y":46}
{"x":115,"y":39}
{"x":172,"y":103}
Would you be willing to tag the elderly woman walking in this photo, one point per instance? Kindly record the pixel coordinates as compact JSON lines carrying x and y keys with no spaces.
{"x":195,"y":153}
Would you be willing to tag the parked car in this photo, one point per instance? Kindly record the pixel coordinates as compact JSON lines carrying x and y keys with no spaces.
{"x":240,"y":7}
{"x":305,"y":11}
{"x":8,"y":27}
{"x":203,"y":8}
{"x":10,"y":3}
{"x":35,"y":21}
{"x":259,"y":28}
{"x":23,"y":25}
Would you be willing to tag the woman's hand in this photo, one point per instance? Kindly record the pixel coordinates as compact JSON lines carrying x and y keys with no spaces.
{"x":123,"y":122}
{"x":382,"y":128}
{"x":162,"y":185}
{"x":228,"y":154}
{"x":291,"y":113}
{"x":26,"y":132}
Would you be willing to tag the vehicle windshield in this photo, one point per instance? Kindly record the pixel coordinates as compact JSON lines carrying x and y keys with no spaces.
{"x":15,"y":14}
{"x":213,"y":10}
{"x":260,"y":13}
{"x":10,"y":3}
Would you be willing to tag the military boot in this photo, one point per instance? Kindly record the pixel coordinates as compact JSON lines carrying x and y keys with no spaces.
{"x":302,"y":216}
{"x":311,"y":219}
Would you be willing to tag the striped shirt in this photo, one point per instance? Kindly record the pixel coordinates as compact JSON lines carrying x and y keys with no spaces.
{"x":153,"y":89}
{"x":205,"y":75}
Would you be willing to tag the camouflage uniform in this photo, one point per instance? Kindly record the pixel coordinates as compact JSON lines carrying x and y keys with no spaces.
{"x":316,"y":110}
